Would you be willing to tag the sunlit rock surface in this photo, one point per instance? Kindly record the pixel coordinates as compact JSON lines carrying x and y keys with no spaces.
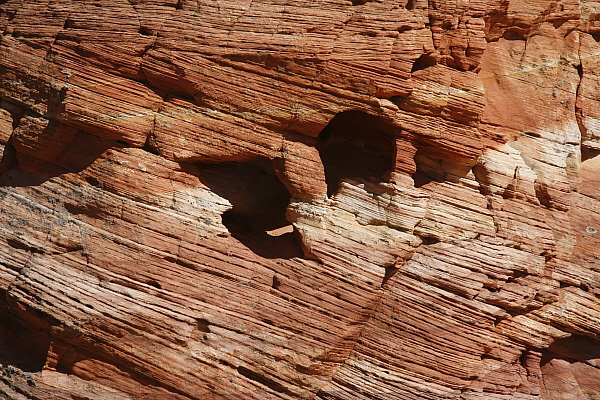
{"x":248,"y":199}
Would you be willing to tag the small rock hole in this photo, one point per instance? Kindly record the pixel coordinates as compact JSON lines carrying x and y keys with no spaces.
{"x":430,"y":240}
{"x":93,"y":181}
{"x":516,"y":275}
{"x":154,"y":284}
{"x":276,"y":282}
{"x":68,"y":23}
{"x":202,"y":325}
{"x":423,"y":62}
{"x":145,"y":31}
{"x":513,"y":35}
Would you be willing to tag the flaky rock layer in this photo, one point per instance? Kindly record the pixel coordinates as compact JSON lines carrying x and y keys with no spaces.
{"x":272,"y":199}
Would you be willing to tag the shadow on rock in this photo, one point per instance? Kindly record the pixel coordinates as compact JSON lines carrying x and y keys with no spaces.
{"x":259,"y":201}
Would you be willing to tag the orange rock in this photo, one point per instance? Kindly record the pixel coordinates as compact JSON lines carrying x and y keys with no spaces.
{"x":270,"y":200}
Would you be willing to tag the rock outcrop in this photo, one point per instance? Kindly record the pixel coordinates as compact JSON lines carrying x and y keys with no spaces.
{"x":260,"y":199}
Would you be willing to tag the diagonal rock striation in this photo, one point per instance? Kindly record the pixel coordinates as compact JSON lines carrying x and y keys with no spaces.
{"x":299,"y":200}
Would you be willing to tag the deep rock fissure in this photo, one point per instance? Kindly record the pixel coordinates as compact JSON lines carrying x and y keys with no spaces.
{"x":263,"y":380}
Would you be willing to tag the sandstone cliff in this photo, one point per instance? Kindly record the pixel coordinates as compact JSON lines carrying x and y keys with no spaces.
{"x":270,"y":199}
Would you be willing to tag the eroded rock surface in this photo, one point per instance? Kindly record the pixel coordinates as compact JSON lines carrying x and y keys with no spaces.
{"x":300,"y":199}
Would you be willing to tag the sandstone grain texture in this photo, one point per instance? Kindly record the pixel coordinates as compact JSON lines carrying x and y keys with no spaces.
{"x":271,"y":199}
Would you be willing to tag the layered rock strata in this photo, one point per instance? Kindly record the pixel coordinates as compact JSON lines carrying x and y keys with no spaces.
{"x":290,"y":200}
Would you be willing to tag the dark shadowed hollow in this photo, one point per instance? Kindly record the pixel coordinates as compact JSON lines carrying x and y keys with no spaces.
{"x":259,"y":202}
{"x":569,"y":368}
{"x":21,"y":344}
{"x":355,"y":145}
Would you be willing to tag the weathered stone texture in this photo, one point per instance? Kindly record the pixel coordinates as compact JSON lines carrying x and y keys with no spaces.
{"x":269,"y":199}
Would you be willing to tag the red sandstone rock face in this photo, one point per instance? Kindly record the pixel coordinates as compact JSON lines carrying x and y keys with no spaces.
{"x":325,"y":199}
